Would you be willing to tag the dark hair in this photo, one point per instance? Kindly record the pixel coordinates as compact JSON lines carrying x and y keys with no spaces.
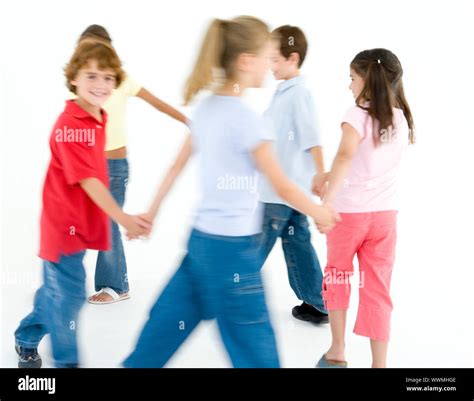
{"x":96,"y":32}
{"x":383,"y":88}
{"x":292,"y":40}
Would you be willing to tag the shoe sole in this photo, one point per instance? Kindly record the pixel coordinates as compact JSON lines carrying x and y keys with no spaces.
{"x":310,"y":318}
{"x":330,"y":364}
{"x":28,"y":365}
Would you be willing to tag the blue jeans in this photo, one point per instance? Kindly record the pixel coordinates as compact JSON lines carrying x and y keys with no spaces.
{"x":304,"y":270}
{"x":56,"y":309}
{"x":111,"y":267}
{"x":219,"y":278}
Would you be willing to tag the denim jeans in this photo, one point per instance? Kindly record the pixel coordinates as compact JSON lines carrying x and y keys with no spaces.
{"x":111,"y":266}
{"x":304,"y":270}
{"x":56,"y":309}
{"x":219,"y":278}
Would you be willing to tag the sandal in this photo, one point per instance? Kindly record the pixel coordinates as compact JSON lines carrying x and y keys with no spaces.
{"x":330,"y":363}
{"x":115,"y":297}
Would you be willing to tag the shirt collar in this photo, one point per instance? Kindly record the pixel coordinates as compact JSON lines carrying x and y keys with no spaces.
{"x":78,"y":112}
{"x":290,"y":82}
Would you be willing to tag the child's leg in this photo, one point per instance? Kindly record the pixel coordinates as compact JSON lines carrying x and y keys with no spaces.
{"x":243,"y":317}
{"x":274,"y":221}
{"x":246,"y":329}
{"x":379,"y":353}
{"x":304,"y":270}
{"x":376,"y":258}
{"x":64,"y":297}
{"x":33,"y":327}
{"x":111,"y":266}
{"x":342,"y":244}
{"x":173,"y":317}
{"x":337,"y":320}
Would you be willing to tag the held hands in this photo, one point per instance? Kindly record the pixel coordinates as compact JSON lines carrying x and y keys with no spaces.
{"x":136,"y":226}
{"x":148,"y":219}
{"x":326,"y":218}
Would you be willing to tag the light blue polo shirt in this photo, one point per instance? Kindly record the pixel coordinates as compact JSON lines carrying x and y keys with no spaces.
{"x":225,"y":132}
{"x":294,"y":123}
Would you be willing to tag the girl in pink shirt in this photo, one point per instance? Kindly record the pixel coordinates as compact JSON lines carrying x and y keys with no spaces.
{"x":362,"y":188}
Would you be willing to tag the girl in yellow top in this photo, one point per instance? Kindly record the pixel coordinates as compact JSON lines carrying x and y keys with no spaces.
{"x":111,"y":282}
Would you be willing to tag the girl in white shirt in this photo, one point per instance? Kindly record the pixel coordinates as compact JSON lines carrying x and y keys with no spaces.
{"x":219,"y":277}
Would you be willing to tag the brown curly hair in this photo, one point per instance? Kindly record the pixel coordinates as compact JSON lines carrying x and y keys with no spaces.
{"x":93,"y":49}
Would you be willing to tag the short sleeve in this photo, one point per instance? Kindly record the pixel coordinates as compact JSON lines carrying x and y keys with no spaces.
{"x":192,"y":129}
{"x":255,"y":130}
{"x":269,"y":126}
{"x":306,"y":121}
{"x":357,"y":118}
{"x":129,"y":86}
{"x":77,"y":158}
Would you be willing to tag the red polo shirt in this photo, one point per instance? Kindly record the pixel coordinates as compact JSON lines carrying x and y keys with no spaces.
{"x":70,"y":221}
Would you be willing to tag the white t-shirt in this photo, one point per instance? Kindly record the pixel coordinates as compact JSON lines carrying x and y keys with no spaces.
{"x":224,"y":133}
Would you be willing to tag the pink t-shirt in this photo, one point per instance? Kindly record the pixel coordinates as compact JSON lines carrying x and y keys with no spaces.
{"x":371,"y":183}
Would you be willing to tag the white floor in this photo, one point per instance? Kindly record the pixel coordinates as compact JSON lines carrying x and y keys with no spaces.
{"x":427,"y":330}
{"x":432,"y":284}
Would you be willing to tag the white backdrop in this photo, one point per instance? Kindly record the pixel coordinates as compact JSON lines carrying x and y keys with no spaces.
{"x":157,"y":40}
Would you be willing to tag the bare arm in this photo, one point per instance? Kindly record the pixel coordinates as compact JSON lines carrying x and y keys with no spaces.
{"x":170,"y":177}
{"x":161,"y":106}
{"x":288,"y":191}
{"x":343,"y":160}
{"x":320,"y":178}
{"x":101,"y":196}
{"x":317,"y":153}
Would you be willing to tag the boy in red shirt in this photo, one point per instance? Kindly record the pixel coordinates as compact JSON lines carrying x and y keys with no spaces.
{"x":76,"y":206}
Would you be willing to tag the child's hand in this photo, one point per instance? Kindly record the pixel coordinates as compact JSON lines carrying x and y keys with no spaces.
{"x":323,"y":229}
{"x":135,"y":226}
{"x":147,"y":218}
{"x":326,"y":219}
{"x":319,"y":185}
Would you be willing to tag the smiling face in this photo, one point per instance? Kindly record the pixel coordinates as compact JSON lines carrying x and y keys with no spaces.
{"x":357,"y":83}
{"x":93,"y":85}
{"x":283,"y":68}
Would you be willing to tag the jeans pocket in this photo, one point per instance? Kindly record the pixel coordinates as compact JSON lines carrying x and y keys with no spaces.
{"x":245,"y":300}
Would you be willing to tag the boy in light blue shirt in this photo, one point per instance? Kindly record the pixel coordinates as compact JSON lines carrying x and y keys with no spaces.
{"x":297,"y":144}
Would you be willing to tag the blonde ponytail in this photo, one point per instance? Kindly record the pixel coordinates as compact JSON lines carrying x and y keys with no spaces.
{"x":223,"y":42}
{"x":208,"y":60}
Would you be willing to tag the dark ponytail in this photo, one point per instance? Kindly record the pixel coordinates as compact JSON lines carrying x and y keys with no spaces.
{"x":96,"y":32}
{"x":383,"y":89}
{"x":403,"y":104}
